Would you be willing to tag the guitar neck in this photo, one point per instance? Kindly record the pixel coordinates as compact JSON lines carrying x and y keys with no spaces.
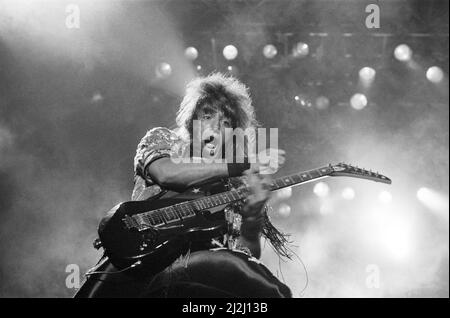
{"x":189,"y":208}
{"x":279,"y":183}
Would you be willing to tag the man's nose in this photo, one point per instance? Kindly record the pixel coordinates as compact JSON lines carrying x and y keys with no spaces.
{"x":215,"y":125}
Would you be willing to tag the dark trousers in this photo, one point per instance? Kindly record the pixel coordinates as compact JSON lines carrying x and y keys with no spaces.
{"x":206,"y":274}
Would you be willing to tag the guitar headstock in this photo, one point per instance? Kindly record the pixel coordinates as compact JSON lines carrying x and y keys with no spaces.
{"x":343,"y":169}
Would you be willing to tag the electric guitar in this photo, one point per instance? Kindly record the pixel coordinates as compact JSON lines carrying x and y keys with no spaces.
{"x":156,"y":231}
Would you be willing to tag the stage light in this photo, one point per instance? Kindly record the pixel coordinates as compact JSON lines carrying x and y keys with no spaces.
{"x":321,"y":189}
{"x":199,"y":67}
{"x":395,"y":237}
{"x":385,"y":197}
{"x":348,"y":193}
{"x":434,"y":201}
{"x":302,"y":100}
{"x":424,"y":194}
{"x":163,"y":70}
{"x":391,"y":231}
{"x":358,"y":101}
{"x":191,"y":53}
{"x":230,"y":52}
{"x":270,"y":51}
{"x":96,"y":98}
{"x":300,"y":50}
{"x":367,"y":74}
{"x":284,"y":210}
{"x":403,"y":53}
{"x":322,"y":102}
{"x":435,"y":74}
{"x":233,"y":70}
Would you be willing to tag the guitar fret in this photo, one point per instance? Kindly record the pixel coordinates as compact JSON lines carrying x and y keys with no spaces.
{"x":185,"y":207}
{"x":227,"y":196}
{"x":296,"y":178}
{"x":168,"y":215}
{"x":142,"y":219}
{"x":194,"y":204}
{"x":292,"y":180}
{"x":277,"y":184}
{"x":147,"y":220}
{"x":148,"y":217}
{"x":177,"y":210}
{"x":288,"y":180}
{"x":314,"y":174}
{"x":174,"y":211}
{"x":153,"y":219}
{"x":159,"y":217}
{"x":190,"y":209}
{"x":184,"y":212}
{"x":131,"y":221}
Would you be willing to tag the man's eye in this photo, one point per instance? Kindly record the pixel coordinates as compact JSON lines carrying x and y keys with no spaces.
{"x":227,"y":123}
{"x":206,"y":116}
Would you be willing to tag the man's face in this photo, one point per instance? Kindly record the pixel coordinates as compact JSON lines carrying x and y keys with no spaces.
{"x":212,"y":132}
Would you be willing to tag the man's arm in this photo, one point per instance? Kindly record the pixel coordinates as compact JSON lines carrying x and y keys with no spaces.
{"x":179,"y":176}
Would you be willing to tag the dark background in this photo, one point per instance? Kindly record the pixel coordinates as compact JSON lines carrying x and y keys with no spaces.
{"x":74,"y":103}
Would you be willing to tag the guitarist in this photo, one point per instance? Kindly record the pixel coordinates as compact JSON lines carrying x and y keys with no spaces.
{"x":226,"y":266}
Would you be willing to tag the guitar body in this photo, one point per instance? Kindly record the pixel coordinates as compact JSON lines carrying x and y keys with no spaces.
{"x":157,"y":246}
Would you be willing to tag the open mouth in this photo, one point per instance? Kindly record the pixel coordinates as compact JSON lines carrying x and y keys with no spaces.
{"x":210,"y":145}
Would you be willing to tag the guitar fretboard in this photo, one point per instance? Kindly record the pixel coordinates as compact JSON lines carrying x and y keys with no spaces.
{"x":188,"y":209}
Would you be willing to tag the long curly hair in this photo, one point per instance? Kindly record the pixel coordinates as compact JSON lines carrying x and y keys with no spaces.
{"x":221,"y":92}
